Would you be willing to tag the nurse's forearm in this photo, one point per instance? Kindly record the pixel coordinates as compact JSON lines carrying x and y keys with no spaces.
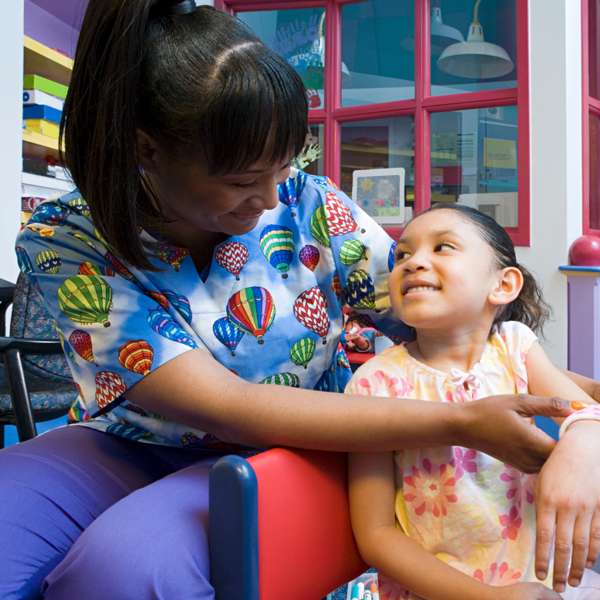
{"x":196,"y":390}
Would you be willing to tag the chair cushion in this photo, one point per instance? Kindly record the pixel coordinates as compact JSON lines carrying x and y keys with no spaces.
{"x":44,"y":393}
{"x":30,"y":319}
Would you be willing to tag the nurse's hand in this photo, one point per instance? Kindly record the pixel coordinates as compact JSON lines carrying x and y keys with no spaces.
{"x":568,"y":505}
{"x":502,"y":426}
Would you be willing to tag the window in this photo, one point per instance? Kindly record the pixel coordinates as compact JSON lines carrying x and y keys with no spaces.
{"x":436,"y":88}
{"x":591,"y":115}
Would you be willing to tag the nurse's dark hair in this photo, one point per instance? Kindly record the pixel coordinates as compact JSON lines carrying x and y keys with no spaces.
{"x":529,"y":307}
{"x":200,"y":83}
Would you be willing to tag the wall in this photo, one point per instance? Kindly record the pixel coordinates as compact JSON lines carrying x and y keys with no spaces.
{"x":556,"y":155}
{"x":11,"y":98}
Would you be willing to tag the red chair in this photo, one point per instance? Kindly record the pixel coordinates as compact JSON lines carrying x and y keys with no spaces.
{"x":280,"y":526}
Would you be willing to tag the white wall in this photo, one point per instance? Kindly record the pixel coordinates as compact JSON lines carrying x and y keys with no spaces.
{"x":11,"y":98}
{"x":556,"y":154}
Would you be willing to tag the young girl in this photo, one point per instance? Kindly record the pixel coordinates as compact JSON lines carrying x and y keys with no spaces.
{"x":452,"y":523}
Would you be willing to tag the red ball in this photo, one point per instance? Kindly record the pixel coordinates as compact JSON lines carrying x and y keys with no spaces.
{"x":585,"y":251}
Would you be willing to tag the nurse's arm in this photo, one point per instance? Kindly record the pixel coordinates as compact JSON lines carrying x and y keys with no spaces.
{"x":198,"y":391}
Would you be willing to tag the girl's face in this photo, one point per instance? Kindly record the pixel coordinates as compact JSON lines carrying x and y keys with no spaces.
{"x":444,"y":273}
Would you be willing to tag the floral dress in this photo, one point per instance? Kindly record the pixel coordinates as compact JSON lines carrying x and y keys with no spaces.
{"x":470,"y":510}
{"x":269,"y":307}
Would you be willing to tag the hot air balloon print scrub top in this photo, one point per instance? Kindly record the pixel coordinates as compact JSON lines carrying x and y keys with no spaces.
{"x":268,"y":306}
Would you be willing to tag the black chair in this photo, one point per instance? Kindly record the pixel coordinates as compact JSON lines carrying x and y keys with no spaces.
{"x":35,"y":380}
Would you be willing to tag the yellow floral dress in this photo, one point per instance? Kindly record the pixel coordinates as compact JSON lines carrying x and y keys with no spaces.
{"x":472,"y":511}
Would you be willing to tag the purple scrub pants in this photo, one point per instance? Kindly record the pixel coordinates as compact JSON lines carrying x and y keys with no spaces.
{"x":85,"y":514}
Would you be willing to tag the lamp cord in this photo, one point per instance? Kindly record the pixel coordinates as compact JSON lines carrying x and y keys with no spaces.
{"x":476,"y":12}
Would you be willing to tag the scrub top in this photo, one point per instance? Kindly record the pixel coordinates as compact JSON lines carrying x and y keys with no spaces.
{"x":268,"y":307}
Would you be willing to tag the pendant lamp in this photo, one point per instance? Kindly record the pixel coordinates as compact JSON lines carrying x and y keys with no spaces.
{"x":442,"y":35}
{"x":475,"y":58}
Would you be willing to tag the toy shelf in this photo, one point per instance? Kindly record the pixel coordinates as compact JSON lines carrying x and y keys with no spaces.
{"x":40,"y":146}
{"x":41,"y":60}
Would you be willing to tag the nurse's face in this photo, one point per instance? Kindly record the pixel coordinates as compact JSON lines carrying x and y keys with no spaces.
{"x":195,"y":200}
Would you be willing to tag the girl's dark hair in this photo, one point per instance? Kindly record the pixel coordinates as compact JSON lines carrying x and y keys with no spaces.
{"x":201,"y":84}
{"x":529,"y":307}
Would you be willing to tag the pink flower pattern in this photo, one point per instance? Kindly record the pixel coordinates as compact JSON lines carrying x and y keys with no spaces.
{"x":511,"y":522}
{"x":497,"y":574}
{"x":464,"y":461}
{"x":394,"y":387}
{"x":520,"y":486}
{"x":430,"y":489}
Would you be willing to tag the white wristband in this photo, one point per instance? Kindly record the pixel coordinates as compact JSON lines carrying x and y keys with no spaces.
{"x":589,"y":413}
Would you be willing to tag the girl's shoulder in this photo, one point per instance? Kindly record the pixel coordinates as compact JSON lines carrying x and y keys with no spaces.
{"x":513,"y":337}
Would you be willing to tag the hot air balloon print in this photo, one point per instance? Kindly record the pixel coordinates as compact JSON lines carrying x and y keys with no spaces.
{"x":79,"y":206}
{"x":392,"y":256}
{"x":252,"y":310}
{"x":309,"y":256}
{"x":118,"y":266}
{"x":85,"y":299}
{"x":310,"y":308}
{"x":285,"y":378}
{"x":41,"y":230}
{"x":180,"y":303}
{"x":48,"y":261}
{"x":336,"y":286}
{"x":228,"y":333}
{"x":66,"y":347}
{"x":339,"y":217}
{"x":352,"y":251}
{"x":136,"y":356}
{"x":302,"y":352}
{"x":23,"y":260}
{"x":83,"y":238}
{"x":49,"y":213}
{"x":109,"y":386}
{"x":163,"y":323}
{"x":360,"y":291}
{"x":318,"y":227}
{"x":88,"y":268}
{"x":277,"y":244}
{"x":81,"y":342}
{"x":172,"y":255}
{"x":232,"y":256}
{"x":289,"y":191}
{"x":159,"y":298}
{"x":130,"y":432}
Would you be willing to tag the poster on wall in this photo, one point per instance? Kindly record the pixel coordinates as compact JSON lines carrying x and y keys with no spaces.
{"x":380,"y":193}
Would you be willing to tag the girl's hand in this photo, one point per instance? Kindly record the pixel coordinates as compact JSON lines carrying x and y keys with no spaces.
{"x":523,"y":591}
{"x":502,"y":426}
{"x":568,"y":505}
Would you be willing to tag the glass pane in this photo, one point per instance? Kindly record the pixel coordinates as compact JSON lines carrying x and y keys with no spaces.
{"x":312,"y":157}
{"x":375,"y":145}
{"x":487,"y":57}
{"x":377,"y":52}
{"x":593,"y":171}
{"x":594,"y":50}
{"x":299,"y":36}
{"x":474,"y":160}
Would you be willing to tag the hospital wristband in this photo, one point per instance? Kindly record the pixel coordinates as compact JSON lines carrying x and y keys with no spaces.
{"x":589,"y":413}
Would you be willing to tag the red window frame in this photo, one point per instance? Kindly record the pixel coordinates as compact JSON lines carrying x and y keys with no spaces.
{"x":421,"y":106}
{"x":591,"y":106}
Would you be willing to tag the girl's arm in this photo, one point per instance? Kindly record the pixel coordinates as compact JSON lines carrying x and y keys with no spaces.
{"x":195,"y":389}
{"x":590,"y":386}
{"x":384,"y":546}
{"x":547,"y":380}
{"x":568,"y":498}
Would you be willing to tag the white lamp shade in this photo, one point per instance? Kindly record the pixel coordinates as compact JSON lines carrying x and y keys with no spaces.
{"x":442,"y":35}
{"x":475,"y":58}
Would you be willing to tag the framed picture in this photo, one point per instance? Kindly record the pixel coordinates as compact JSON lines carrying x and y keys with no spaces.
{"x":380,"y":193}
